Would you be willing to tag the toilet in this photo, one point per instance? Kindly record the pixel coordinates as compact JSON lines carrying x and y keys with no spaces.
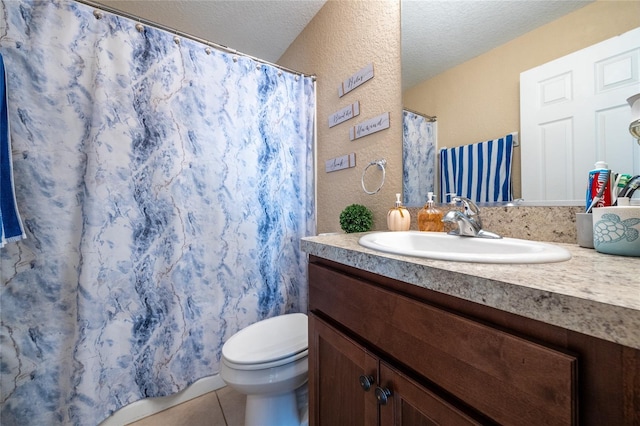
{"x":267,"y":361}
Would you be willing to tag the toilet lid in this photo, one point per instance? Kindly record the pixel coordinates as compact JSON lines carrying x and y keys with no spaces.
{"x":268,"y":340}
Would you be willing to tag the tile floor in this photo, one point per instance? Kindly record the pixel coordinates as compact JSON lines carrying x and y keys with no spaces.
{"x":224,"y":407}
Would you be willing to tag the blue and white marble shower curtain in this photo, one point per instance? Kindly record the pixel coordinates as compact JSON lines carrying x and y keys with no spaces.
{"x":418,"y":158}
{"x":164,"y":191}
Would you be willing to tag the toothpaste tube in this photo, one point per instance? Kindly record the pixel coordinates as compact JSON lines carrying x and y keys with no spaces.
{"x":599,"y":184}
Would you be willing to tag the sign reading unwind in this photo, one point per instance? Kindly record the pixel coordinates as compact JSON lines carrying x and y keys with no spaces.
{"x":370,"y":126}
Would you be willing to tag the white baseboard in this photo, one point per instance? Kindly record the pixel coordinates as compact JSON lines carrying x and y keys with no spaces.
{"x":147,"y":407}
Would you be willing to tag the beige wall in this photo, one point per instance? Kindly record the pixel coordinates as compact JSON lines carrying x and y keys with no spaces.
{"x":480,"y":99}
{"x":343,"y":37}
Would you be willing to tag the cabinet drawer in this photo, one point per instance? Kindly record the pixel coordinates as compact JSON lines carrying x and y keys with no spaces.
{"x":508,"y":378}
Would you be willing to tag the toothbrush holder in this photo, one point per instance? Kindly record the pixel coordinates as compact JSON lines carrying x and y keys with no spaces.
{"x":616,"y":230}
{"x":584,"y":229}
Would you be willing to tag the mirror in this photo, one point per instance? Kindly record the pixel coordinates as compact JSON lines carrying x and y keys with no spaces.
{"x":475,"y":93}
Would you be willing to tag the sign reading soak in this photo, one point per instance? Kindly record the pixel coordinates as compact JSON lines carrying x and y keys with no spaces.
{"x":340,"y":163}
{"x":362,"y":76}
{"x":370,"y":126}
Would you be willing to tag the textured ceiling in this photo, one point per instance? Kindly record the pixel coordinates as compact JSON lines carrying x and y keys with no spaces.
{"x":436,"y":34}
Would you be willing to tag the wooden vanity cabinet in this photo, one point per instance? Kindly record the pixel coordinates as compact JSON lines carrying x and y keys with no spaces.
{"x":353,"y":387}
{"x":441,"y":360}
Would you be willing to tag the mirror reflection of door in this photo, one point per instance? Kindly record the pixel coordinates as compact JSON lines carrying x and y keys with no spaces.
{"x":574,"y":112}
{"x":418,"y":157}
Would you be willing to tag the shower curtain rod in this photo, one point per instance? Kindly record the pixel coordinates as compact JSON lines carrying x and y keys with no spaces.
{"x":185,"y":35}
{"x":430,"y":118}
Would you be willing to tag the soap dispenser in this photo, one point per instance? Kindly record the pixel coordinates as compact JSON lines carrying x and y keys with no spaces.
{"x":429,"y":217}
{"x":398,"y":218}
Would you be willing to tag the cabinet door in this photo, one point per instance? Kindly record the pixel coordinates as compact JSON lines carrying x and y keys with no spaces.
{"x":509,"y":379}
{"x":337,"y":365}
{"x":404,"y":402}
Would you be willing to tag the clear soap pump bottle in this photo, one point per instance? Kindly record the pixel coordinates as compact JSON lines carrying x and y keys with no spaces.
{"x":398,"y":218}
{"x":429,"y":217}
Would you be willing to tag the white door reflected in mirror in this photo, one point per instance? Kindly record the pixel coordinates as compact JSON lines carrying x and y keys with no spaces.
{"x":574,"y":112}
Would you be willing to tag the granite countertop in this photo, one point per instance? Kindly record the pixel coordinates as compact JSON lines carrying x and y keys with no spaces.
{"x":593,"y":293}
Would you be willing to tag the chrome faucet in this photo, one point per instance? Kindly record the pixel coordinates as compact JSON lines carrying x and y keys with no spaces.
{"x":469,"y":223}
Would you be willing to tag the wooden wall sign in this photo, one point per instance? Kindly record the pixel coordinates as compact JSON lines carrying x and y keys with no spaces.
{"x":370,"y":126}
{"x":365,"y":74}
{"x":346,"y":113}
{"x":339,"y":163}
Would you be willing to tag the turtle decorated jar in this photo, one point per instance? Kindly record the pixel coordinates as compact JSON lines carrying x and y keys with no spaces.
{"x":616,"y":230}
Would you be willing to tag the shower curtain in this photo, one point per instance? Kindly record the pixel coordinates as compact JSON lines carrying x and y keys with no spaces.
{"x":164,"y":188}
{"x":418,"y":158}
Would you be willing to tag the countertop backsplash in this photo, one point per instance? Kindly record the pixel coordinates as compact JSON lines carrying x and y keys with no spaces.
{"x":540,"y":223}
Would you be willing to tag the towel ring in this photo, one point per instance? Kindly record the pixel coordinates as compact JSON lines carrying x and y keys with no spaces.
{"x":380,"y":164}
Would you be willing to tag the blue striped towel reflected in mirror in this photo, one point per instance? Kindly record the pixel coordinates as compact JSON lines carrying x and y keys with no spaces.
{"x":480,"y":171}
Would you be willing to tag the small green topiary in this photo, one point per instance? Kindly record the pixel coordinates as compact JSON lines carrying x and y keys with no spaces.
{"x":356,"y":218}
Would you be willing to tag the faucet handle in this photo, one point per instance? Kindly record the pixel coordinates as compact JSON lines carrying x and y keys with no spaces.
{"x":470,"y":208}
{"x":453,"y":196}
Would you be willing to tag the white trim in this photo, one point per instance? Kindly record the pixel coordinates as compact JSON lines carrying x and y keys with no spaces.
{"x":147,"y":407}
{"x":315,"y":157}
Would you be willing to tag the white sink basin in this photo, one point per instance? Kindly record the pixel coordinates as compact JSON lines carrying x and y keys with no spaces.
{"x":441,"y":246}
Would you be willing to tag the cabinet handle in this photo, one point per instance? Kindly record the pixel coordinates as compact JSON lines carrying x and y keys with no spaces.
{"x":366,"y":382}
{"x":382,"y":395}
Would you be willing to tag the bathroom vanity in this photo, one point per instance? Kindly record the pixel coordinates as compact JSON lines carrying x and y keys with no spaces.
{"x":403,"y":340}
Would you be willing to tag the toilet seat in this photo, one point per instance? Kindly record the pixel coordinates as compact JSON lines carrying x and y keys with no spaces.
{"x":268,"y":343}
{"x":265,"y":365}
